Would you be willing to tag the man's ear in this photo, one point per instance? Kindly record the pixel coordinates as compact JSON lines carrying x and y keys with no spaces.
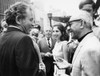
{"x":18,"y":20}
{"x":82,"y":24}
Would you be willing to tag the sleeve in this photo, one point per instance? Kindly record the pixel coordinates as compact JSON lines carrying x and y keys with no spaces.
{"x":38,"y":51}
{"x":65,"y":50}
{"x":27,"y":59}
{"x":76,"y":71}
{"x":91,"y":63}
{"x":76,"y":67}
{"x":42,"y":53}
{"x":66,"y":57}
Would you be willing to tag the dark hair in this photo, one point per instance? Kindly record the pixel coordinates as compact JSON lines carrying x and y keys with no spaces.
{"x":62,"y":29}
{"x":16,"y":10}
{"x":84,"y":2}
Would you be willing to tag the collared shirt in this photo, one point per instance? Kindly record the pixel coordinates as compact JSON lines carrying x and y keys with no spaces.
{"x":22,"y":28}
{"x":84,"y":36}
{"x":49,"y":41}
{"x":14,"y":27}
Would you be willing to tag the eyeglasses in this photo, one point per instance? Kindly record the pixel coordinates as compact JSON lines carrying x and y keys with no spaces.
{"x":77,"y":20}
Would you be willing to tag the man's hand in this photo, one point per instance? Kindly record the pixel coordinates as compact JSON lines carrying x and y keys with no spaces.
{"x":62,"y":64}
{"x":42,"y":67}
{"x":48,"y":54}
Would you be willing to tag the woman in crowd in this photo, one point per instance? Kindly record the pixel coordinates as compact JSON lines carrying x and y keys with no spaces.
{"x":59,"y":51}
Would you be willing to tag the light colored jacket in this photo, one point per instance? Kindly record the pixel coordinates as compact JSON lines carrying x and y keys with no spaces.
{"x":86,"y":60}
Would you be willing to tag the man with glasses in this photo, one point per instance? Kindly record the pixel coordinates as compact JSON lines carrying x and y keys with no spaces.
{"x":86,"y":59}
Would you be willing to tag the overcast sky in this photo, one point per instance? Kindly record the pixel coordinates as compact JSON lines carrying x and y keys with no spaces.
{"x":68,"y":6}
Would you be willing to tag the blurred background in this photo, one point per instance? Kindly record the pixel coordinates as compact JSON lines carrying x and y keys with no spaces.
{"x":58,"y":10}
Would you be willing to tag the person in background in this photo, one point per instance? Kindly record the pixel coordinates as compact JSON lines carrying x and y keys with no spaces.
{"x":4,"y":25}
{"x":60,"y":49}
{"x":40,"y":33}
{"x":91,"y":7}
{"x":46,"y":45}
{"x":18,"y":57}
{"x":87,"y":5}
{"x":35,"y":33}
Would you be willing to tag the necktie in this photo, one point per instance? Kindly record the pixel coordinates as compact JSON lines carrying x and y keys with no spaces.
{"x":49,"y":42}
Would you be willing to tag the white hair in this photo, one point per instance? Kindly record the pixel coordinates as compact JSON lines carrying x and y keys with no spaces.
{"x":85,"y":16}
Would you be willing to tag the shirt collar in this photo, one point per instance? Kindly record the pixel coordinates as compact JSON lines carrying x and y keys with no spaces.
{"x":84,"y":36}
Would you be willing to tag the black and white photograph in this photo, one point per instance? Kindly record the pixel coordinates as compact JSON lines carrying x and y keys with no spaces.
{"x":49,"y":37}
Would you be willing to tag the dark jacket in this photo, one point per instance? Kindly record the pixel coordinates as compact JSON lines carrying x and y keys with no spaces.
{"x":17,"y":54}
{"x":44,"y":48}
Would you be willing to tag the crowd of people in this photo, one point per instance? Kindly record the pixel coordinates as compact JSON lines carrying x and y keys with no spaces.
{"x":73,"y":50}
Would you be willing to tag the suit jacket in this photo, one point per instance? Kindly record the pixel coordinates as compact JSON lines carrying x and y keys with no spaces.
{"x":86,"y":60}
{"x":44,"y":48}
{"x":17,"y":54}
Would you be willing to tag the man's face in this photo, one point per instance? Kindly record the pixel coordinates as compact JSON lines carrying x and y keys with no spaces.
{"x":34,"y":32}
{"x":75,"y":28}
{"x":48,"y":32}
{"x":88,"y":8}
{"x":29,"y":19}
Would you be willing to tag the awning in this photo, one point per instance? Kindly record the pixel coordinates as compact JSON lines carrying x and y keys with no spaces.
{"x":61,"y":19}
